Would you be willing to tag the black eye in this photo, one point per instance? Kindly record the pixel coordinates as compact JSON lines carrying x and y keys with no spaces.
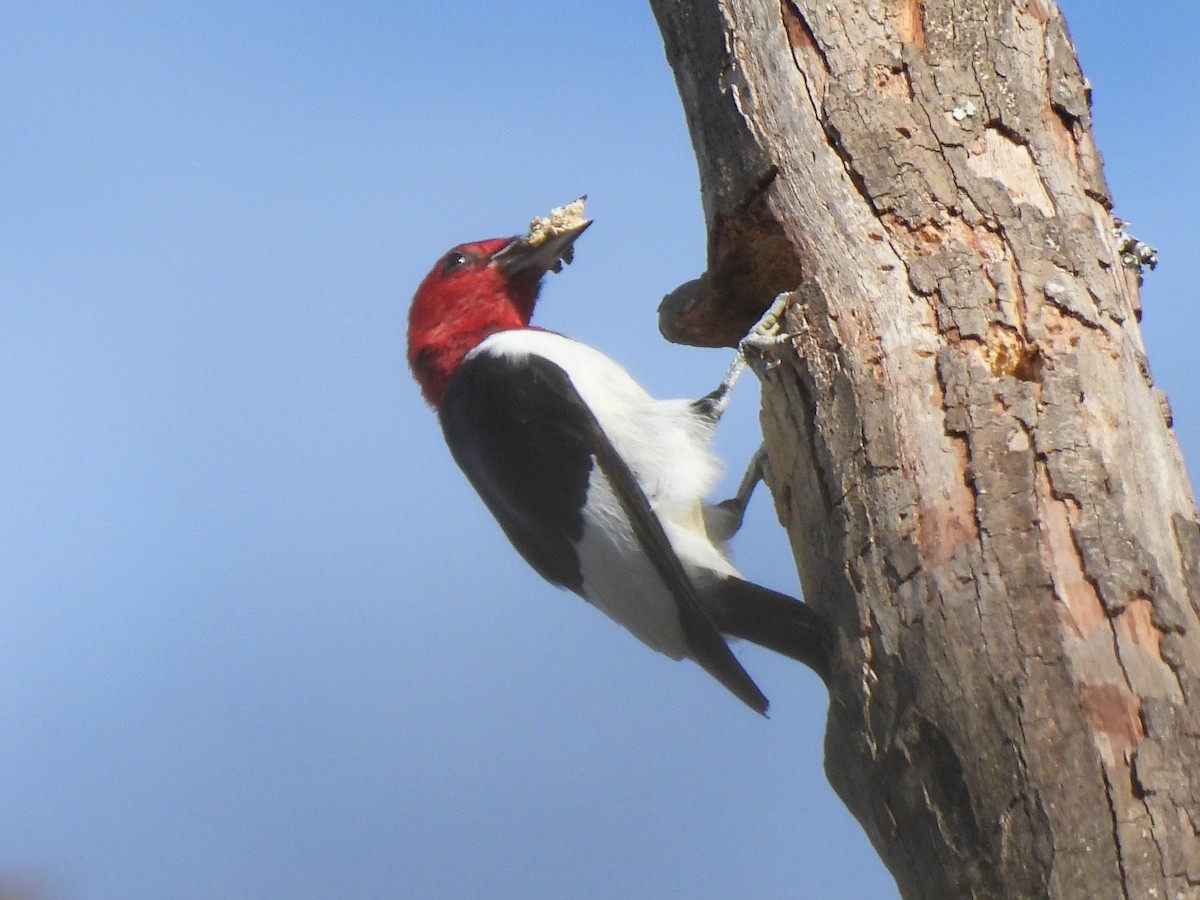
{"x":455,"y":259}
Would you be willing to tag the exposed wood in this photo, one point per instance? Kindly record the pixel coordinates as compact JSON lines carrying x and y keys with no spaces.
{"x":978,"y":476}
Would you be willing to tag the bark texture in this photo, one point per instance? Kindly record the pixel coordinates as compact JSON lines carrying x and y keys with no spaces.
{"x":979,"y":478}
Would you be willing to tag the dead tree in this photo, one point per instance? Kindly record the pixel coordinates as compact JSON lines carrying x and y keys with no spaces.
{"x":980,"y":481}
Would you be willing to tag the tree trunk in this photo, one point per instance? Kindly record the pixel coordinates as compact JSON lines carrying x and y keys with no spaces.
{"x":979,"y":479}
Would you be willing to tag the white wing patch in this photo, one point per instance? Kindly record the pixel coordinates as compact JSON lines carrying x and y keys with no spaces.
{"x":663,"y":441}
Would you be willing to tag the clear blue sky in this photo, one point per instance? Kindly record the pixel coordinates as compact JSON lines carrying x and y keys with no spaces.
{"x":258,"y":638}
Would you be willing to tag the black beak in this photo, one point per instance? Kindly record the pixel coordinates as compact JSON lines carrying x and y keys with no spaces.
{"x":518,"y":255}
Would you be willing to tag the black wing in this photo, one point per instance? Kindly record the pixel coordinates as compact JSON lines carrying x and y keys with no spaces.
{"x":528,"y":451}
{"x":528,"y":444}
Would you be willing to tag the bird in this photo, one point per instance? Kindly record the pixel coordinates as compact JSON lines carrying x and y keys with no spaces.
{"x":598,"y":485}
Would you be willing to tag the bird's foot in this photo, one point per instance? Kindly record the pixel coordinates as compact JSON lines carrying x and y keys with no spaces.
{"x":760,"y":350}
{"x":761,"y":347}
{"x":723,"y":520}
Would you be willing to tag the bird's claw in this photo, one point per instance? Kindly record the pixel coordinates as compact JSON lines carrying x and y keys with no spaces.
{"x":760,"y":348}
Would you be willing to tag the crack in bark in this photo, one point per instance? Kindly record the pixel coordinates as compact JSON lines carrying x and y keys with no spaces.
{"x":1116,"y":833}
{"x":802,"y":40}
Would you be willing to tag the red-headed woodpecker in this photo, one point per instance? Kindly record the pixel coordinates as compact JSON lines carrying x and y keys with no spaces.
{"x":598,"y":485}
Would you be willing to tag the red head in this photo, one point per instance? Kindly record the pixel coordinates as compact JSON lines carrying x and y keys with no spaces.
{"x":473,"y":291}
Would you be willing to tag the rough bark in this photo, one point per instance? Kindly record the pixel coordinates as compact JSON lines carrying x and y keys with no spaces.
{"x":979,"y":478}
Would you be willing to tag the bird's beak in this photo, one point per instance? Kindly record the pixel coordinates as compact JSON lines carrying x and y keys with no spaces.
{"x":521,"y":255}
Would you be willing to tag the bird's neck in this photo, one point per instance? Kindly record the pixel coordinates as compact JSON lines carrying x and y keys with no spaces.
{"x":435,"y":352}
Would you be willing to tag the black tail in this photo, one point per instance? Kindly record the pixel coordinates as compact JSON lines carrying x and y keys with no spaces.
{"x":773,"y":620}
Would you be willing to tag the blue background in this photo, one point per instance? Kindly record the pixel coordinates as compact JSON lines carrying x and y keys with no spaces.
{"x":257,"y":636}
